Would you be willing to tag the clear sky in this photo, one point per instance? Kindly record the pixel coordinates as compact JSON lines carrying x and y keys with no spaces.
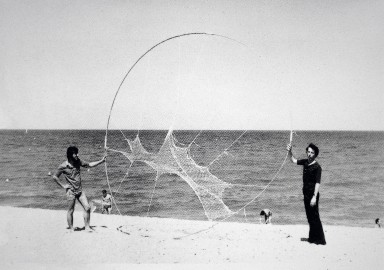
{"x":314,"y":65}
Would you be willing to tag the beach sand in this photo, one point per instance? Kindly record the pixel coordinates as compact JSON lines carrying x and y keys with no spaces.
{"x":39,"y":239}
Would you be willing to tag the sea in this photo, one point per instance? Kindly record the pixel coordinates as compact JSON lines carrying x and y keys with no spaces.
{"x":255,"y":163}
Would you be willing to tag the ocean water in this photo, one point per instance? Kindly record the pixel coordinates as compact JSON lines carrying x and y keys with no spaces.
{"x":351,"y":189}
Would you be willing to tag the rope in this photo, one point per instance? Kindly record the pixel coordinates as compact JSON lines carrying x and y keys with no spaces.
{"x":153,"y":192}
{"x":125,"y":176}
{"x":226,"y":149}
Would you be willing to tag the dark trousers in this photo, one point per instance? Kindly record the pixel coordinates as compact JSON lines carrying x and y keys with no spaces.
{"x":316,"y":233}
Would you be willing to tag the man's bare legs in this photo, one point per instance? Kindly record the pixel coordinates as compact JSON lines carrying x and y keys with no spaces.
{"x":71,"y":209}
{"x":86,"y":211}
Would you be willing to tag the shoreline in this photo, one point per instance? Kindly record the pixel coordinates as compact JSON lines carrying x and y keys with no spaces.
{"x":39,"y":237}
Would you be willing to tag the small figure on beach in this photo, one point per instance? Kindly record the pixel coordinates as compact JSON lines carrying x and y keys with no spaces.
{"x":267,"y":215}
{"x":71,"y":171}
{"x":106,"y":202}
{"x":311,"y":185}
{"x":377,"y":223}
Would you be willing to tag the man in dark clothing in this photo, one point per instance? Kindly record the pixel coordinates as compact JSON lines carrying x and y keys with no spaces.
{"x":311,"y":186}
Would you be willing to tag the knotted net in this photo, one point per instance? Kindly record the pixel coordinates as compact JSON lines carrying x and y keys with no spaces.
{"x":162,"y":129}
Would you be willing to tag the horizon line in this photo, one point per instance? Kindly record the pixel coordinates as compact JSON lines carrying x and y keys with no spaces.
{"x":157,"y":129}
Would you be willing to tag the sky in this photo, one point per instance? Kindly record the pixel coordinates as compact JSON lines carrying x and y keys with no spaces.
{"x":304,"y":65}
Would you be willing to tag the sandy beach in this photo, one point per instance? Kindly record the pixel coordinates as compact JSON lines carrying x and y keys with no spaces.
{"x":38,"y":239}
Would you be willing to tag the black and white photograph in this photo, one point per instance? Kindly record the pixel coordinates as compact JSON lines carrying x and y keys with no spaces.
{"x":176,"y":134}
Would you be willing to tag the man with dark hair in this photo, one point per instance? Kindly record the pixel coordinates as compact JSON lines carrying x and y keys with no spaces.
{"x":71,"y":171}
{"x":311,"y":185}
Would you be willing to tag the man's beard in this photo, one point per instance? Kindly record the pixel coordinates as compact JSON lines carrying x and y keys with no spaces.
{"x":75,"y":162}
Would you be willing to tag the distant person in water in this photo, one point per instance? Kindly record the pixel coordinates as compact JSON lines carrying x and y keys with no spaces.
{"x":266,"y":214}
{"x":106,"y":204}
{"x":311,"y":185}
{"x":71,"y":171}
{"x":377,"y":223}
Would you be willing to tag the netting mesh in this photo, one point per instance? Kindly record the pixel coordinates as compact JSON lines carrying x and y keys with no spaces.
{"x":172,"y":159}
{"x":227,"y":183}
{"x":206,"y":165}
